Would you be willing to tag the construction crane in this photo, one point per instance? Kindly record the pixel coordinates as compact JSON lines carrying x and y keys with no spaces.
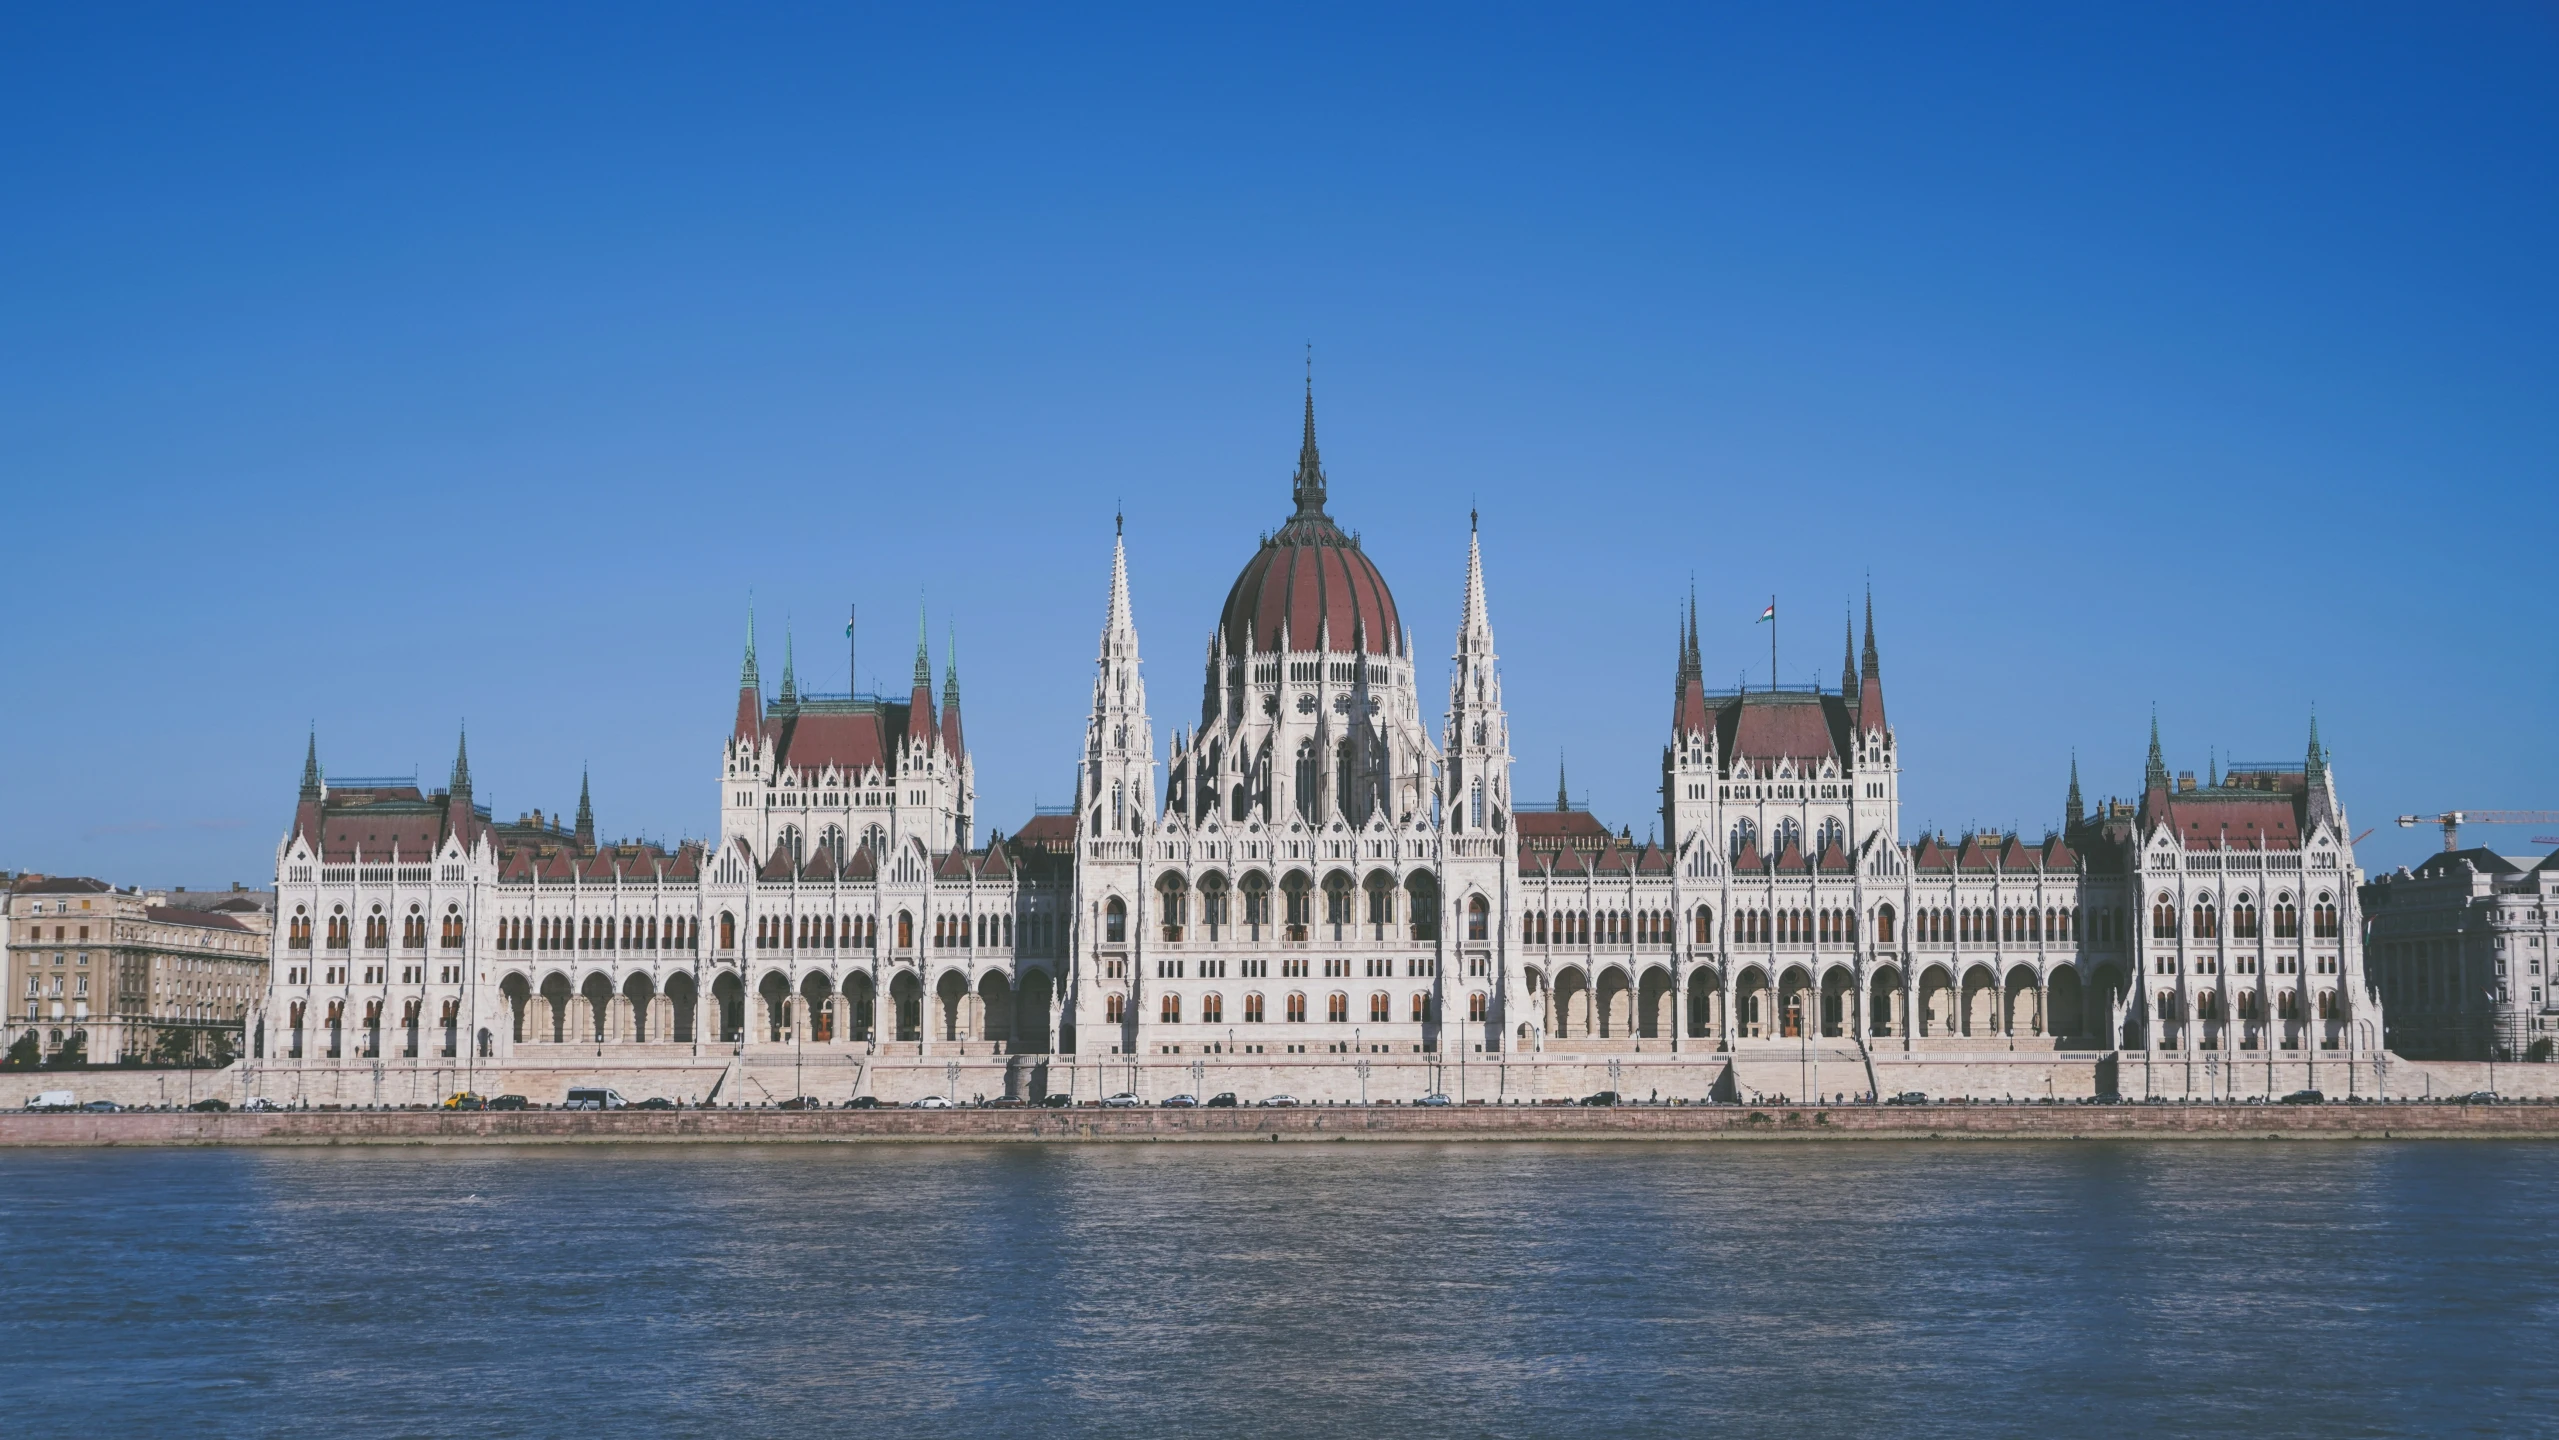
{"x":2453,"y":820}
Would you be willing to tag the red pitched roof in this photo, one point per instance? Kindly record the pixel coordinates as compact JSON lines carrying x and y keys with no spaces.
{"x":2243,"y":821}
{"x":1560,"y":829}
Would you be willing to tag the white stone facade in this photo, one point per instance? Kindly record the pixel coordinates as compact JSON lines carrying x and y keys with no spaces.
{"x":1311,"y":878}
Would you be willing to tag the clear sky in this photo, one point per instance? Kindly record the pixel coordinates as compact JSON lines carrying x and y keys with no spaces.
{"x":386,"y":368}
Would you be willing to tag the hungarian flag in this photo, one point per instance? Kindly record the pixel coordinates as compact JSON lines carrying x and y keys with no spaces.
{"x":1770,"y":613}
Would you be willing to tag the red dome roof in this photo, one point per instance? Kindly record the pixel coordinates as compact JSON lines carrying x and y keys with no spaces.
{"x":1312,"y":579}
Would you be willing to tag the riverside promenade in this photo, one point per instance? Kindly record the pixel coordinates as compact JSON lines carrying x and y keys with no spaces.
{"x":1090,"y":1124}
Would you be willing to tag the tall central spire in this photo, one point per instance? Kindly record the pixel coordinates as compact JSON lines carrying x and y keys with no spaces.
{"x":1308,"y":488}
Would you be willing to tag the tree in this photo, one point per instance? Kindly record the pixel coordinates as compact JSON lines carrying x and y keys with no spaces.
{"x":24,"y":1052}
{"x":74,"y":1053}
{"x":173,"y":1046}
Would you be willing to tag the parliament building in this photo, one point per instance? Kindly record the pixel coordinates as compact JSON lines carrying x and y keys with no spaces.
{"x":1308,"y":888}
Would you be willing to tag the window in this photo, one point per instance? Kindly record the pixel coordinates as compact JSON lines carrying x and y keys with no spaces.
{"x":1421,"y":1009}
{"x":2163,"y":918}
{"x":1479,"y":917}
{"x":1257,"y":904}
{"x":1212,"y":1009}
{"x":1213,"y":904}
{"x":1337,"y":1008}
{"x":1299,"y":895}
{"x":1171,"y":895}
{"x":1704,"y":925}
{"x":1475,"y":1007}
{"x":1296,"y":1006}
{"x":1113,"y":1007}
{"x":1114,"y":922}
{"x":1253,"y":1008}
{"x":1172,"y":1009}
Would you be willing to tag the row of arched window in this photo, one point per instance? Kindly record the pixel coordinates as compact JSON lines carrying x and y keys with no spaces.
{"x":2203,"y":919}
{"x":2010,"y":925}
{"x":1337,"y":1008}
{"x":598,"y":932}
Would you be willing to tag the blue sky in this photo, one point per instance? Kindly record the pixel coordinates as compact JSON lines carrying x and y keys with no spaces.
{"x":384,"y":368}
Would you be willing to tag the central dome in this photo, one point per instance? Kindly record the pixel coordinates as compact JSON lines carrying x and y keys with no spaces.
{"x":1311,"y":580}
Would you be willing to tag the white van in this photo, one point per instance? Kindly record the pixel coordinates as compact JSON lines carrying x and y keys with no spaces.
{"x":52,"y":1100}
{"x":595,"y":1097}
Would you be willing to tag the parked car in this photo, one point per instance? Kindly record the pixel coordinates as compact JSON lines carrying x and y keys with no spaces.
{"x":1909,"y":1097}
{"x":1056,"y":1102}
{"x":2305,"y":1097}
{"x":594,"y":1097}
{"x":210,"y":1105}
{"x":1182,"y":1102}
{"x":2476,"y":1097}
{"x":460,"y":1100}
{"x":102,"y":1107}
{"x":1603,"y":1098}
{"x":510,"y":1102}
{"x":1434,"y":1099}
{"x":1282,"y":1102}
{"x":1223,"y":1100}
{"x":654,"y":1102}
{"x":799,"y":1102}
{"x":931,"y":1102}
{"x":1005,"y":1102}
{"x":1122,"y":1101}
{"x":259,"y":1102}
{"x":863,"y":1102}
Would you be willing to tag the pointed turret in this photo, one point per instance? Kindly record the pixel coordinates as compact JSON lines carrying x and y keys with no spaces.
{"x":1308,"y":487}
{"x":1478,"y":738}
{"x":790,"y":670}
{"x":2074,"y":811}
{"x":306,"y":810}
{"x":2315,"y":764}
{"x":1848,"y":658}
{"x":1119,"y":742}
{"x":457,"y":805}
{"x":750,"y":687}
{"x":2154,"y":771}
{"x":2321,"y":807}
{"x":1688,"y":708}
{"x":586,"y":817}
{"x":1563,"y":792}
{"x":951,"y":696}
{"x":1870,"y":676}
{"x":919,"y":697}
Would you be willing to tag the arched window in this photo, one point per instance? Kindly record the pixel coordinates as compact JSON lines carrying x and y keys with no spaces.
{"x":1421,"y":1009}
{"x":1172,"y":1009}
{"x":1113,"y":1008}
{"x":1309,"y":788}
{"x":1296,"y":1006}
{"x":1421,"y":906}
{"x":2163,"y":918}
{"x":1298,"y":893}
{"x":1705,"y":925}
{"x":1257,"y":904}
{"x":1883,"y":925}
{"x":1212,"y":1009}
{"x":1171,"y":899}
{"x":1119,"y":806}
{"x":2323,"y":919}
{"x":1475,"y":802}
{"x":1337,"y":903}
{"x":1114,"y":921}
{"x":1475,"y":1007}
{"x":1479,"y":918}
{"x":2207,"y":919}
{"x":1381,"y":903}
{"x":906,"y":929}
{"x":1745,"y":831}
{"x":1253,"y":1008}
{"x":1380,"y":1008}
{"x":1337,"y":1007}
{"x":1213,"y":904}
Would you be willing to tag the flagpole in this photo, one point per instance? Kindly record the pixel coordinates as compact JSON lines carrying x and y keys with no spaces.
{"x":852,"y":672}
{"x":1772,"y":644}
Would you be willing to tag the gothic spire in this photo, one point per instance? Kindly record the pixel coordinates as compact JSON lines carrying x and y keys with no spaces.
{"x":951,"y":669}
{"x":1473,"y":619}
{"x":790,"y":673}
{"x":586,"y":815}
{"x":1848,"y":658}
{"x":1873,"y":668}
{"x":2074,"y":810}
{"x":311,"y":766}
{"x":748,"y":678}
{"x":923,"y":661}
{"x":1308,"y":487}
{"x":1696,"y":658}
{"x":1563,"y":794}
{"x":462,"y":764}
{"x":2154,"y":773}
{"x":2316,"y":765}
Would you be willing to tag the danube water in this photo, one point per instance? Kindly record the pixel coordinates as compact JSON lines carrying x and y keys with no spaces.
{"x":2249,"y":1288}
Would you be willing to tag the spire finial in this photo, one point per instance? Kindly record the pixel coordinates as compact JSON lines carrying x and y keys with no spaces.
{"x":1848,"y":655}
{"x":462,"y":762}
{"x":311,"y":764}
{"x":2074,"y":810}
{"x":923,"y":662}
{"x":1872,"y":667}
{"x":1563,"y":794}
{"x":2154,"y":773}
{"x":586,"y":813}
{"x":790,"y":672}
{"x":951,"y":669}
{"x":748,"y":678}
{"x":1308,"y":488}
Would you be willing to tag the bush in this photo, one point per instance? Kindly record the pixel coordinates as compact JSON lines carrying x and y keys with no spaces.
{"x":2539,"y":1051}
{"x":25,"y":1053}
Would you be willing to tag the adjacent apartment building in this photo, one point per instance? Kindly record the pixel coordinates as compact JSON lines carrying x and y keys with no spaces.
{"x":114,"y":974}
{"x":2460,"y":948}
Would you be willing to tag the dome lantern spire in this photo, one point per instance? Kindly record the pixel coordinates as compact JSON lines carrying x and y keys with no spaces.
{"x":1308,"y":487}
